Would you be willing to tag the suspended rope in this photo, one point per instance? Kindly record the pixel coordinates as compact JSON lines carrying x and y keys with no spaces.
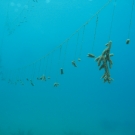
{"x":81,"y":45}
{"x":91,"y":55}
{"x":59,"y":56}
{"x":86,"y":23}
{"x":20,"y":18}
{"x":56,"y":84}
{"x":74,"y":61}
{"x":39,"y":68}
{"x":43,"y":77}
{"x":32,"y":74}
{"x":65,"y":54}
{"x":66,"y":41}
{"x":46,"y":65}
{"x":128,"y":39}
{"x":79,"y":59}
{"x":95,"y":34}
{"x":76,"y":45}
{"x":50,"y":67}
{"x":112,"y":21}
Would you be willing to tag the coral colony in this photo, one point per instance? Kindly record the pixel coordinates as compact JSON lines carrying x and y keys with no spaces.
{"x":104,"y":62}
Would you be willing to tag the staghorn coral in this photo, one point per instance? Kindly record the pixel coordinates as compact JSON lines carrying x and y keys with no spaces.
{"x":104,"y":62}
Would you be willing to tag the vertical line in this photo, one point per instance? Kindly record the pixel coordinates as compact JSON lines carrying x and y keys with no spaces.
{"x":112,"y":21}
{"x":76,"y":46}
{"x":65,"y":54}
{"x":95,"y":34}
{"x":82,"y":42}
{"x":58,"y":64}
{"x":131,"y":19}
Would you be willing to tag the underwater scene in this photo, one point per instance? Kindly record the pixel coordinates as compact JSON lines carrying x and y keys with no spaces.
{"x":67,"y":67}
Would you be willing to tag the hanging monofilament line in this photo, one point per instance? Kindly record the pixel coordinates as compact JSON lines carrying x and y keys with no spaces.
{"x":27,"y":75}
{"x":42,"y":68}
{"x":46,"y":64}
{"x":112,"y":21}
{"x":43,"y":78}
{"x":56,"y":83}
{"x":22,"y":15}
{"x":21,"y":79}
{"x":91,"y":55}
{"x":19,"y":19}
{"x":38,"y":78}
{"x":49,"y":68}
{"x":61,"y":70}
{"x":49,"y":72}
{"x":95,"y":34}
{"x":76,"y":45}
{"x":27,"y":6}
{"x":128,"y":40}
{"x":74,"y":62}
{"x":82,"y":27}
{"x":59,"y":61}
{"x":32,"y":74}
{"x":65,"y":53}
{"x":79,"y":59}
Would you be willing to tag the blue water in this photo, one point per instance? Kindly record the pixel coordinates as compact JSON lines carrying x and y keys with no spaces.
{"x":82,"y":104}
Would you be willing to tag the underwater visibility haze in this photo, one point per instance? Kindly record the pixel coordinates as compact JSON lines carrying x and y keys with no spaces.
{"x":67,"y":67}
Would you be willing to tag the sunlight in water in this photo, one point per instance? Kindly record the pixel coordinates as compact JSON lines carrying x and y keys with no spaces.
{"x":47,"y":1}
{"x":12,"y":4}
{"x":26,"y":6}
{"x":18,"y":5}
